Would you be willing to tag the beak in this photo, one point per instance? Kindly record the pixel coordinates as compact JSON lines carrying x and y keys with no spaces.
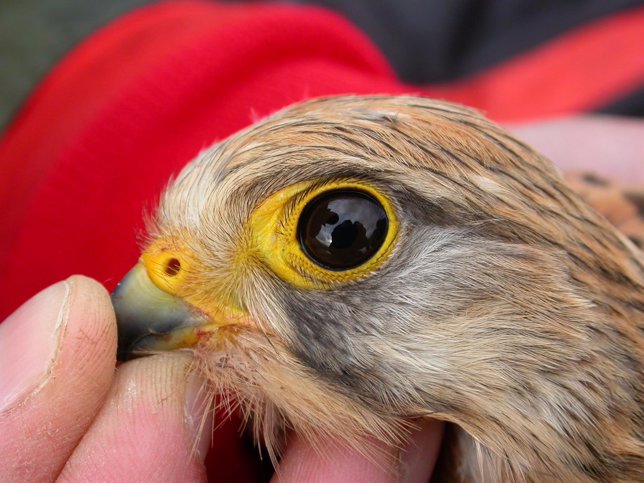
{"x":150,"y":319}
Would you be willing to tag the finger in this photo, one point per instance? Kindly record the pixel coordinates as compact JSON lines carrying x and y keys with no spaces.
{"x":331,"y":461}
{"x":610,"y":146}
{"x":418,"y":458}
{"x":57,"y":356}
{"x":149,"y":429}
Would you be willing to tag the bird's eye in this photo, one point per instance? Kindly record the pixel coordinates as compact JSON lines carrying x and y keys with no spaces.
{"x":342,"y":229}
{"x":319,"y":234}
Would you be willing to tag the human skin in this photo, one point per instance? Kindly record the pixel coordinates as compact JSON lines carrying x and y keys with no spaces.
{"x":609,"y":146}
{"x":67,"y":414}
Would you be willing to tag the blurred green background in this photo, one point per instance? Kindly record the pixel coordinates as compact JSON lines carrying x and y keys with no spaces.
{"x":36,"y":34}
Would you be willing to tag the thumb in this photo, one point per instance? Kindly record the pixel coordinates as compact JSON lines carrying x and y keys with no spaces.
{"x":57,"y":356}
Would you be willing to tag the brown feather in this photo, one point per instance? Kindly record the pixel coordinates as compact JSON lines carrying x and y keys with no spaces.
{"x":531,"y":333}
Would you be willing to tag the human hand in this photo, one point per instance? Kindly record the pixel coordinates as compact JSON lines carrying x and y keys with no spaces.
{"x":67,"y":415}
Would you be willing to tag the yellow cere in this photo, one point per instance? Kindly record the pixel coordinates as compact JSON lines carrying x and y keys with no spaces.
{"x":168,"y":265}
{"x":274,"y":235}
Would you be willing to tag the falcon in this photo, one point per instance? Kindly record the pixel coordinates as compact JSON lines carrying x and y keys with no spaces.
{"x":351,"y":265}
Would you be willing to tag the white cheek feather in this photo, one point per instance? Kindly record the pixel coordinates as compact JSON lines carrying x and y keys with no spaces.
{"x":186,"y":199}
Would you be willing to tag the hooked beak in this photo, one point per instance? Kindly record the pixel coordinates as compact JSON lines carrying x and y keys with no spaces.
{"x":150,"y":319}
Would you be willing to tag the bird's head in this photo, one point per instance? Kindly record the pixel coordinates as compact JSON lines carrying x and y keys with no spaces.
{"x":350,"y":263}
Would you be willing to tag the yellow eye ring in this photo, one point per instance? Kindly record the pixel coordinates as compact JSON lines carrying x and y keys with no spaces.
{"x":275,"y":238}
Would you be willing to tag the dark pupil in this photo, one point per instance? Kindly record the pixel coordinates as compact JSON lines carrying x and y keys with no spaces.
{"x":342,"y":229}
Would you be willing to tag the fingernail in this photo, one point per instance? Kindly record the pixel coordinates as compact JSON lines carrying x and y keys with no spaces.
{"x":29,"y":344}
{"x":198,"y":409}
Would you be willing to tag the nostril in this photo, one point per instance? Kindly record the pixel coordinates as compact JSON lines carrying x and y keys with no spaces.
{"x":172,"y":267}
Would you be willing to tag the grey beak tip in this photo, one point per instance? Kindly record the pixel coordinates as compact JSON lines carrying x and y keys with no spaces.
{"x":124,"y":356}
{"x":132,"y":325}
{"x":127,"y":333}
{"x":144,"y":314}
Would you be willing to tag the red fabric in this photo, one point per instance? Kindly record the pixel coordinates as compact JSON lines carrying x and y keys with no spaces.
{"x":580,"y":71}
{"x":128,"y":108}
